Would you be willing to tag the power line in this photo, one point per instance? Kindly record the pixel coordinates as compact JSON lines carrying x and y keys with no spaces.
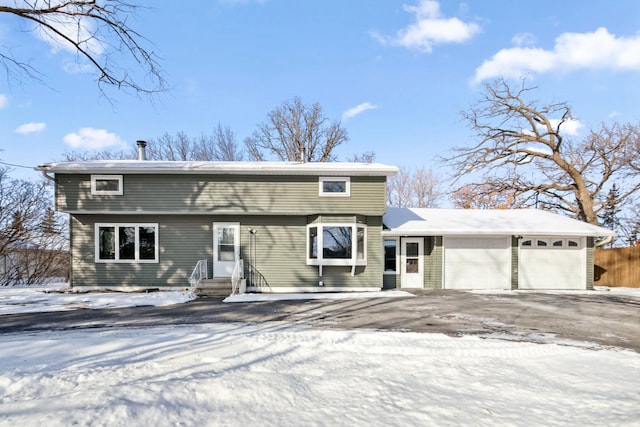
{"x":17,"y":166}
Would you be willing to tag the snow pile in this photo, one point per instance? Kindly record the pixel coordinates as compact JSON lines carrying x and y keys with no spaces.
{"x":52,"y":298}
{"x":278,"y":374}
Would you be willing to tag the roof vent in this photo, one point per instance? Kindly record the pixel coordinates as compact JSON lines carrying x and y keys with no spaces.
{"x":142,"y":150}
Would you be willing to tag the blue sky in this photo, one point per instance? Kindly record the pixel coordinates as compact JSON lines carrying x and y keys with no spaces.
{"x":397,"y":73}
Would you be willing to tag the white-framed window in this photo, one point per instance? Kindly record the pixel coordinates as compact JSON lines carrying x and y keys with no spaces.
{"x":335,"y":186}
{"x":550,"y":243}
{"x":126,"y":243}
{"x":391,"y":256}
{"x":336,"y":244}
{"x":106,"y":185}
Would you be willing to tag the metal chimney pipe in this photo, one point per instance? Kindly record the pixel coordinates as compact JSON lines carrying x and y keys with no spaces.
{"x":142,"y":152}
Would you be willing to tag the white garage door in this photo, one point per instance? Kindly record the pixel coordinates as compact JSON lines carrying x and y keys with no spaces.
{"x":552,"y":263}
{"x":477,"y":263}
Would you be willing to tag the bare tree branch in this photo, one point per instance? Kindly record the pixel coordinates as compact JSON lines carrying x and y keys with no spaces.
{"x":523,"y":152}
{"x":98,"y":32}
{"x":296,"y":132}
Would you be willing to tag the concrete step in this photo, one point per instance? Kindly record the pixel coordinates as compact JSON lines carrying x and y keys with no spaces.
{"x":220,"y":287}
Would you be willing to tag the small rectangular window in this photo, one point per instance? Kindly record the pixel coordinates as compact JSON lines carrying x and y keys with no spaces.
{"x":558,"y":243}
{"x":126,"y":243}
{"x":106,"y":185}
{"x":334,"y":186}
{"x":390,"y":256}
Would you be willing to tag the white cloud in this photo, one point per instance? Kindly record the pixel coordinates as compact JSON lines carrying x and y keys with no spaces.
{"x":614,"y":113}
{"x":429,"y":29}
{"x":31,"y":127}
{"x":76,"y":28}
{"x":570,"y":127}
{"x":358,"y":109}
{"x":4,"y":100}
{"x":523,"y":39}
{"x":93,"y":139}
{"x":597,"y":50}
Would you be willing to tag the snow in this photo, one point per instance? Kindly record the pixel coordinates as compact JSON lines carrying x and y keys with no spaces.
{"x":57,"y":297}
{"x":284,"y":374}
{"x":439,"y":222}
{"x":319,"y":295}
{"x":288,"y":373}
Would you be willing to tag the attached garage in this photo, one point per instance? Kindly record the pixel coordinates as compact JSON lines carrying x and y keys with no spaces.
{"x":552,"y":263}
{"x":493,"y":248}
{"x":477,"y":262}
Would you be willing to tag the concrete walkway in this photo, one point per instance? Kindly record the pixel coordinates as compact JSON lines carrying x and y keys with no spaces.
{"x":602,"y":319}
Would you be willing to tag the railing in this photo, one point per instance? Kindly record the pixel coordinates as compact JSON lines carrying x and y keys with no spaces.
{"x":237,"y":276}
{"x":199,"y":273}
{"x":257,"y":281}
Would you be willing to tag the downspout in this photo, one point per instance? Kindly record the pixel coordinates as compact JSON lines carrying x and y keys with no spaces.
{"x":603,"y":242}
{"x":44,"y":173}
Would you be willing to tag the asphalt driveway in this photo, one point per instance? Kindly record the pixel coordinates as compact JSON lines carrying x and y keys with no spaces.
{"x":602,"y":319}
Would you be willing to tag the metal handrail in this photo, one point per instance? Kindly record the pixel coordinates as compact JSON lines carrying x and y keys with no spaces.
{"x":199,"y":273}
{"x":237,"y":276}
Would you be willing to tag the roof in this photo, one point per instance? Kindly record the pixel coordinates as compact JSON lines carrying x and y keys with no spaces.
{"x":441,"y":222}
{"x":239,"y":168}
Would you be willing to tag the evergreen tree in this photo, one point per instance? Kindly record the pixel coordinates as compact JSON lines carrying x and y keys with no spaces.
{"x":609,"y":218}
{"x":49,"y":224}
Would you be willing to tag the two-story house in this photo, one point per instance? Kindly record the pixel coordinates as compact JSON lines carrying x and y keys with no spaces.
{"x":297,"y":226}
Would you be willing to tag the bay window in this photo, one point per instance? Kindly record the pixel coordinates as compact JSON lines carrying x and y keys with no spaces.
{"x":337,"y":244}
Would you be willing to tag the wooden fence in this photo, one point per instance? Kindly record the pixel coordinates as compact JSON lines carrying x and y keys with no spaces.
{"x":617,"y":267}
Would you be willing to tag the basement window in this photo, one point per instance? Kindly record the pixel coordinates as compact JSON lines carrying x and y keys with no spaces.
{"x":106,"y":185}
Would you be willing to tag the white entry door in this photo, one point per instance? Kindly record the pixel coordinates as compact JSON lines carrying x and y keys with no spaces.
{"x":412,"y":263}
{"x":226,"y":248}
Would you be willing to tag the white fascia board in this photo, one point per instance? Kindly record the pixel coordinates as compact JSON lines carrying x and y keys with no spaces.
{"x":220,"y":168}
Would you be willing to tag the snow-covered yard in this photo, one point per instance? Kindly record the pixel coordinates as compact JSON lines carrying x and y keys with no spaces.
{"x":290,"y":374}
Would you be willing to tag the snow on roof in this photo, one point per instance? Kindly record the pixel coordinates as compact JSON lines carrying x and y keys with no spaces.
{"x":441,"y":222}
{"x":252,"y":168}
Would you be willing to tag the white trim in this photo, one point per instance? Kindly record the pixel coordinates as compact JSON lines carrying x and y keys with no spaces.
{"x":96,"y":192}
{"x":300,"y":212}
{"x":136,"y":259}
{"x":225,"y":168}
{"x":310,"y":289}
{"x":389,"y":272}
{"x":347,"y":186}
{"x":411,"y":280}
{"x":321,"y":261}
{"x":225,"y":268}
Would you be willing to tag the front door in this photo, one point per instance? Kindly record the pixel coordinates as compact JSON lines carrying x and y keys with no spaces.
{"x":226,"y":248}
{"x":412,"y":263}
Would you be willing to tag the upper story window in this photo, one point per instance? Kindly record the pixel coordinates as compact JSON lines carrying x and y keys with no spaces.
{"x":107,"y":185}
{"x":126,"y":243}
{"x":335,"y":186}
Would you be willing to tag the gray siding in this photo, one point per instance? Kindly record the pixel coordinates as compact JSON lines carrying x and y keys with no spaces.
{"x":515,"y":262}
{"x":223,"y":194}
{"x":391,"y":281}
{"x":590,"y":262}
{"x":280,"y":254}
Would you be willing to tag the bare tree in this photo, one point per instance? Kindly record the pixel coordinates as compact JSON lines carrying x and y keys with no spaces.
{"x":524,"y":152}
{"x":220,"y":145}
{"x":482,"y":196}
{"x":366,"y":157}
{"x":98,"y":32}
{"x":414,"y":189}
{"x":33,"y":243}
{"x":296,"y":132}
